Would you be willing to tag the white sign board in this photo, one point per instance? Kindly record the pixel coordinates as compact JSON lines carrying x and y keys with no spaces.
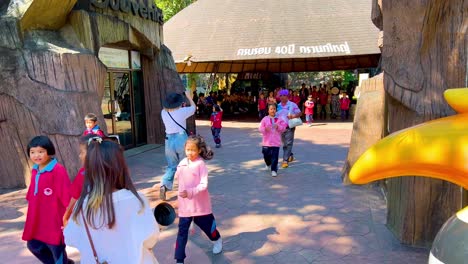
{"x":114,"y":58}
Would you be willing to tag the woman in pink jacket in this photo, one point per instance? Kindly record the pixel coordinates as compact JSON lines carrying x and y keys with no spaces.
{"x":271,"y":128}
{"x":194,"y":199}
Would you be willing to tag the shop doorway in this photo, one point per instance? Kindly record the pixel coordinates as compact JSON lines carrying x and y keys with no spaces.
{"x":123,"y":107}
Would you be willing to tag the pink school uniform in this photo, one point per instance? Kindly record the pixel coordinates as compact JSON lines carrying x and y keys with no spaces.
{"x":271,"y":141}
{"x":272,"y":138}
{"x":198,"y":201}
{"x":48,"y":197}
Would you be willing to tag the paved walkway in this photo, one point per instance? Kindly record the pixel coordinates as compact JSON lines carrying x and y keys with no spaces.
{"x":305,"y":215}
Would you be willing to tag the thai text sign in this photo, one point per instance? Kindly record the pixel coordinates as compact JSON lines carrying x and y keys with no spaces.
{"x":293,"y":49}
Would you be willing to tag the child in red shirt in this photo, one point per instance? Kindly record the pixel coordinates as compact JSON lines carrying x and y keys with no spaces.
{"x":216,"y":119}
{"x":344,"y":105}
{"x":92,"y":128}
{"x":48,"y":196}
{"x":262,"y":105}
{"x":309,"y":110}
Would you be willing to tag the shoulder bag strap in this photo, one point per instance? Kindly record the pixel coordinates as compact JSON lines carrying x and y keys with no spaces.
{"x":177,"y":123}
{"x":89,"y":238}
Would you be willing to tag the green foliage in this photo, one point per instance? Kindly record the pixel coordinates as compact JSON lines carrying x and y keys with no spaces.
{"x":342,"y":77}
{"x":172,"y":7}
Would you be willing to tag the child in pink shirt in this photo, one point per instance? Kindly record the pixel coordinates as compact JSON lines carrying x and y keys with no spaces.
{"x":194,"y":199}
{"x":271,"y":128}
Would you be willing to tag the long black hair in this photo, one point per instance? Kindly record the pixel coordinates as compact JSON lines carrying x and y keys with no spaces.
{"x":105,"y":172}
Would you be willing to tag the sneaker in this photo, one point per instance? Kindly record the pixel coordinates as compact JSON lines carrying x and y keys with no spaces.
{"x":274,"y":174}
{"x":267,"y":168}
{"x":162,"y":193}
{"x":310,"y":125}
{"x":291,"y":158}
{"x":284,"y":165}
{"x":218,"y":145}
{"x":218,"y":246}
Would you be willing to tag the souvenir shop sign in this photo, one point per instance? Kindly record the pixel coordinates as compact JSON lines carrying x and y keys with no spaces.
{"x":135,"y":7}
{"x":293,"y":49}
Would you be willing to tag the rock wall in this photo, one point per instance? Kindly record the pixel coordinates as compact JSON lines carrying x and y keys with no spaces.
{"x":51,"y":76}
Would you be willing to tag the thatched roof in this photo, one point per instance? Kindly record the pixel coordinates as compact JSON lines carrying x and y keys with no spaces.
{"x":273,"y":35}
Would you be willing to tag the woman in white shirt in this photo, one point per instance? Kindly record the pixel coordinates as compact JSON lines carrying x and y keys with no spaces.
{"x":122,"y":228}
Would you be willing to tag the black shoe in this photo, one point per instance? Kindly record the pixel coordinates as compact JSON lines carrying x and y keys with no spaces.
{"x":162,"y":193}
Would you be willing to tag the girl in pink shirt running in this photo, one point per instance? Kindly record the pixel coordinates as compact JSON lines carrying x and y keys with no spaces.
{"x":194,"y":199}
{"x":271,"y":128}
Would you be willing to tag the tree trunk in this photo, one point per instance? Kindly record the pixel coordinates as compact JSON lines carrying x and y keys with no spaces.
{"x":423,"y":54}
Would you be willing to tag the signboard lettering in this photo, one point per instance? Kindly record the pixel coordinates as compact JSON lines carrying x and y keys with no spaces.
{"x":292,"y":49}
{"x":151,"y":11}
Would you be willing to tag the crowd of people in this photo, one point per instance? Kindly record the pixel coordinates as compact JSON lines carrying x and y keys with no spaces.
{"x":102,"y":206}
{"x":328,"y":102}
{"x":100,"y":212}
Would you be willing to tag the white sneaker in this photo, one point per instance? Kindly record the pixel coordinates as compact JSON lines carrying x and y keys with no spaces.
{"x":274,"y":174}
{"x":268,"y":168}
{"x":218,"y":246}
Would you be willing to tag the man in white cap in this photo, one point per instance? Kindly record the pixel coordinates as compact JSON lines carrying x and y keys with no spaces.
{"x":174,"y":117}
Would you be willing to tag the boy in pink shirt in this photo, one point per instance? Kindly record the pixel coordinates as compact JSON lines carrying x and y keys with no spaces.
{"x":271,"y":128}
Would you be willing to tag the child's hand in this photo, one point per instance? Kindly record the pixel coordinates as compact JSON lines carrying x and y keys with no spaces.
{"x":183,"y":194}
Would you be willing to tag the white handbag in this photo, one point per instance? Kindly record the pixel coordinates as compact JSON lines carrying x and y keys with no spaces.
{"x":294,"y":122}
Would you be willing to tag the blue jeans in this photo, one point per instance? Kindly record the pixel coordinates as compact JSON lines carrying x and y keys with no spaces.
{"x":175,"y":151}
{"x":216,"y":137}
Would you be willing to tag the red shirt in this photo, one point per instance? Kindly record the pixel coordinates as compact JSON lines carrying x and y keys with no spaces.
{"x":309,"y":107}
{"x":262,"y":104}
{"x":296,"y":99}
{"x":323,"y":98}
{"x":314,"y":95}
{"x":344,"y":103}
{"x":96,"y":130}
{"x":48,"y":197}
{"x":216,"y":119}
{"x":77,"y":184}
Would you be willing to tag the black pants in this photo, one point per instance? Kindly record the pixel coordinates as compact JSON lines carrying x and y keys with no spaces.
{"x":48,"y":254}
{"x":270,"y":155}
{"x":207,"y":224}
